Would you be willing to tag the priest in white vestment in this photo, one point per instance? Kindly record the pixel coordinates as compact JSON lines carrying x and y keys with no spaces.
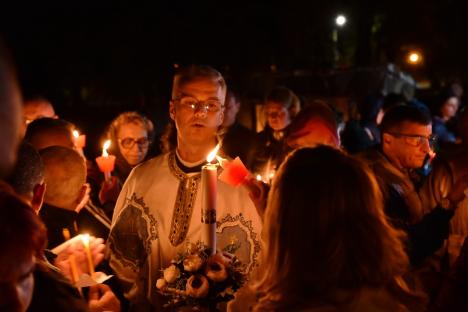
{"x":159,"y":208}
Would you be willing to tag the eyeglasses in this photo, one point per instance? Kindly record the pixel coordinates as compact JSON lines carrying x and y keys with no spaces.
{"x":275,"y":113}
{"x":416,"y":140}
{"x":128,"y":143}
{"x":191,"y":103}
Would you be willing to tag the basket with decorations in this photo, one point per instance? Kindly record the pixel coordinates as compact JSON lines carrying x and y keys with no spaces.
{"x":200,"y":278}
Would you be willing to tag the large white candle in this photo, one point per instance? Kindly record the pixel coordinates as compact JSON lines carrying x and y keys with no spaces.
{"x":209,"y":178}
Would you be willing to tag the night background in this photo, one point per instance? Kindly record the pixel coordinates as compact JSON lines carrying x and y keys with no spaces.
{"x":94,"y":59}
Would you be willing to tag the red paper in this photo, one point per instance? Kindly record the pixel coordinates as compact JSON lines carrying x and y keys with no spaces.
{"x":234,"y":172}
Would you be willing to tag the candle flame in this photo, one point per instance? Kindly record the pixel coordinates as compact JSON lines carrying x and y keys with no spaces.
{"x":76,"y":134}
{"x":259,"y":177}
{"x":85,"y":239}
{"x":105,"y":147}
{"x":213,"y":153}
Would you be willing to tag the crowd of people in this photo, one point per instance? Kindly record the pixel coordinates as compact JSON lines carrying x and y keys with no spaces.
{"x":371,"y":216}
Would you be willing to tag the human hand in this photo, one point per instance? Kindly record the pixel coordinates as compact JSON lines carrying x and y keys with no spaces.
{"x":86,"y":189}
{"x":457,"y":194}
{"x":97,"y":248}
{"x":109,"y":191}
{"x":258,"y":193}
{"x":101,"y":298}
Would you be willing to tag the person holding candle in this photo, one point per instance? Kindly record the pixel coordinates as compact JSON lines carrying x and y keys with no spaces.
{"x":65,"y":177}
{"x":281,"y":106}
{"x":28,"y":282}
{"x":160,"y":206}
{"x":131,"y":135}
{"x":27,"y":180}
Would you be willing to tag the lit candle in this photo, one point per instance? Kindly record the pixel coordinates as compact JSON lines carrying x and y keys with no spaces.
{"x":80,"y":140}
{"x":209,"y":179}
{"x":105,"y":161}
{"x":71,"y":258}
{"x":85,"y":240}
{"x":267,"y":170}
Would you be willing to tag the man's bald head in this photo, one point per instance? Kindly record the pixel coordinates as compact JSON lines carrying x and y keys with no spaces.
{"x":45,"y":132}
{"x":38,"y":107}
{"x":10,"y":113}
{"x":65,"y":175}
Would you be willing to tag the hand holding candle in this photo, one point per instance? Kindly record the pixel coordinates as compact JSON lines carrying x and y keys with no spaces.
{"x":105,"y":161}
{"x":235,"y":174}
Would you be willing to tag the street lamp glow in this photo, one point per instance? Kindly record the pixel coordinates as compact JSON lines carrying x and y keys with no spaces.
{"x":340,"y":20}
{"x":414,"y":58}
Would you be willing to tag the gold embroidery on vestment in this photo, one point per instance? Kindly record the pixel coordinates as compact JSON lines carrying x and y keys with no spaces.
{"x":185,"y":200}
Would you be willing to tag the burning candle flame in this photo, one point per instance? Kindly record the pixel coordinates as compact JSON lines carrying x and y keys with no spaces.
{"x":76,"y":134}
{"x":213,"y":153}
{"x":259,"y":177}
{"x":85,"y":239}
{"x":105,"y":147}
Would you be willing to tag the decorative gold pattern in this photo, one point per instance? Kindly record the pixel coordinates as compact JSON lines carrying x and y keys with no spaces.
{"x":247,"y":227}
{"x":185,"y":200}
{"x":208,"y":216}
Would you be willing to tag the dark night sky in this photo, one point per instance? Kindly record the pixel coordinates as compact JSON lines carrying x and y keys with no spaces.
{"x":99,"y":42}
{"x":120,"y":54}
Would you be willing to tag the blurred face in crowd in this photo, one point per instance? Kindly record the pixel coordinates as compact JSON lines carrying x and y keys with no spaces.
{"x":133,"y":142}
{"x":36,"y":109}
{"x":449,"y":108}
{"x":313,"y":133}
{"x":409,"y":145}
{"x":198,"y":111}
{"x":231,"y":109}
{"x":16,"y":285}
{"x":277,"y":115}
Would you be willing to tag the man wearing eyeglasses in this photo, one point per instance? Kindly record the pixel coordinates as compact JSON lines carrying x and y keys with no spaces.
{"x":405,"y":143}
{"x":159,"y":208}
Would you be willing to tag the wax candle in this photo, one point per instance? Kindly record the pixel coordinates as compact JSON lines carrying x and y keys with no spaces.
{"x":71,"y":259}
{"x":80,"y":140}
{"x":209,"y":179}
{"x":105,"y":161}
{"x":85,"y":240}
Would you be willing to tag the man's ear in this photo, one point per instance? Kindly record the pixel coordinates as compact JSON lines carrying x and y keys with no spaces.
{"x":221,"y":117}
{"x":172,"y":110}
{"x":387,"y":138}
{"x":38,"y":196}
{"x":83,"y":197}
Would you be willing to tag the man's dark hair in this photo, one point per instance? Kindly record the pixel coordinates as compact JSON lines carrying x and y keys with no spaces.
{"x":397,"y":115}
{"x":28,"y":171}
